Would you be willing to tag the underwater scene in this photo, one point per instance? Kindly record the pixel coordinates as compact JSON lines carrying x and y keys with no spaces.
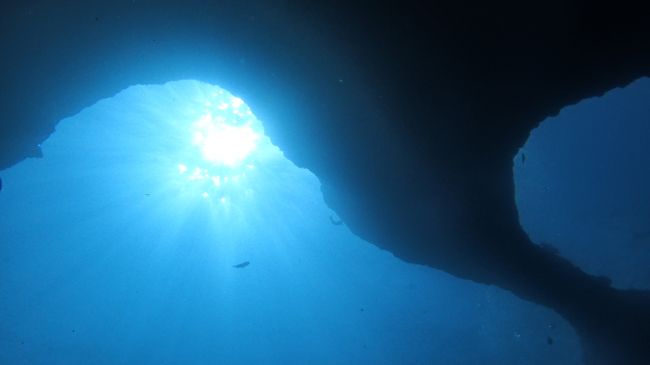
{"x":163,"y":226}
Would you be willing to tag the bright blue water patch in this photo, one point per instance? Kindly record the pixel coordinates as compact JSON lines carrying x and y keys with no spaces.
{"x":584,"y":184}
{"x":118,"y":247}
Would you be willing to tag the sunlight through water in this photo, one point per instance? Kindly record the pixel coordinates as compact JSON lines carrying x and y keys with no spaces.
{"x":162,"y":226}
{"x":180,"y":143}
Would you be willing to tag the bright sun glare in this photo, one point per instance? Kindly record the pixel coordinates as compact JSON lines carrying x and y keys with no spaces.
{"x":225,"y":139}
{"x":222,"y":143}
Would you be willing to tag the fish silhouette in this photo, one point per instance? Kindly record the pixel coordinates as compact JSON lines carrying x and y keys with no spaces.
{"x":241,"y":265}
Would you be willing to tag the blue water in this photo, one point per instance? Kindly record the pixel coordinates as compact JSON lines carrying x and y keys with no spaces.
{"x":583,"y":187}
{"x":118,"y":247}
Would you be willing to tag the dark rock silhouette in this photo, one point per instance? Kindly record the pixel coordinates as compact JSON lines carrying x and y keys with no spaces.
{"x":419,"y":110}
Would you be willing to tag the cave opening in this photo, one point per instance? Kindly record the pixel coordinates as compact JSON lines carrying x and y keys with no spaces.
{"x":582,"y":185}
{"x":163,"y":225}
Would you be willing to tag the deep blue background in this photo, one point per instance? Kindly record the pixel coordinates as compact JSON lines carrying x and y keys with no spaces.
{"x":584,"y":185}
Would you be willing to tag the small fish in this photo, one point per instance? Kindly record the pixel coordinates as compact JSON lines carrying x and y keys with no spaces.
{"x":241,"y":265}
{"x":0,"y":184}
{"x":549,"y":340}
{"x":523,"y":158}
{"x":335,"y":221}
